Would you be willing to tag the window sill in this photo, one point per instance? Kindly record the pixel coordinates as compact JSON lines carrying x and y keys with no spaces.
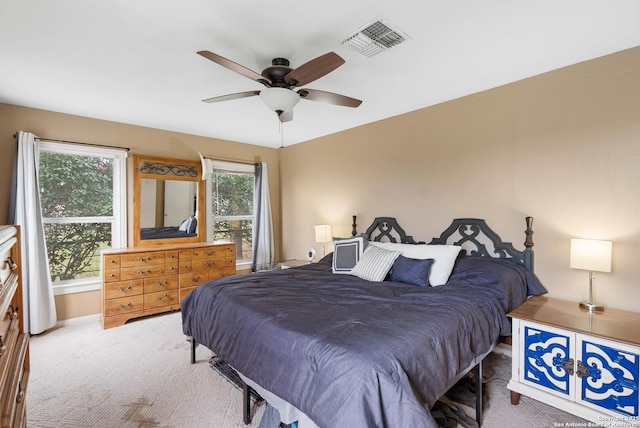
{"x":77,"y":287}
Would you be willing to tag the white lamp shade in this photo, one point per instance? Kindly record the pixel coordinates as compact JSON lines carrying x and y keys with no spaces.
{"x":323,"y":233}
{"x":591,"y":254}
{"x":279,"y":99}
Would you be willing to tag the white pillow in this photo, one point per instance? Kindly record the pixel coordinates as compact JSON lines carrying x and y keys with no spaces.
{"x":375,"y":264}
{"x":444,"y":257}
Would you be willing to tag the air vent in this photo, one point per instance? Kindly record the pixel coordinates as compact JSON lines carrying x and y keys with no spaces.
{"x":375,"y":37}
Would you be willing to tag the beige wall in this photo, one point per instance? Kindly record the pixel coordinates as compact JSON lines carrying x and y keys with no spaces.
{"x":140,"y":140}
{"x":563,"y":147}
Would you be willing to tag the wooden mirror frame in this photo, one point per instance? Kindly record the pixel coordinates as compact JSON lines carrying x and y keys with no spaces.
{"x":167,"y":169}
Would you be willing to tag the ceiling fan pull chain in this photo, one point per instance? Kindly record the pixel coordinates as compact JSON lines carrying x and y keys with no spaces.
{"x":281,"y":126}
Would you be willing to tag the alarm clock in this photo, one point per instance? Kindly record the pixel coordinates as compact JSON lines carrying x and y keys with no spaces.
{"x":311,"y":254}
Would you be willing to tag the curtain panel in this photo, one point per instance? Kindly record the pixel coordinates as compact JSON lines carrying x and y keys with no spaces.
{"x":25,"y":211}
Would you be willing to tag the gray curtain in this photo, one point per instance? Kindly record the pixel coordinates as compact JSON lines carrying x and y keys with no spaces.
{"x":263,"y":225}
{"x":25,"y":211}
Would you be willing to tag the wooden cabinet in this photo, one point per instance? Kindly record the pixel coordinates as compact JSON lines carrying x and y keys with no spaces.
{"x":584,"y":363}
{"x":14,"y":341}
{"x":142,"y":281}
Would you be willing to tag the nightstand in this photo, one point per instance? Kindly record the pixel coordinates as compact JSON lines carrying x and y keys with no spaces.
{"x":584,"y":363}
{"x":293,"y":263}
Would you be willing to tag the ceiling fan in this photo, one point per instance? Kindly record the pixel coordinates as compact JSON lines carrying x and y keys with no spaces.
{"x":281,"y":82}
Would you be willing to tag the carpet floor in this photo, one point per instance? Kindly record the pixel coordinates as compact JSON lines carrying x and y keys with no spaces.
{"x":139,"y":375}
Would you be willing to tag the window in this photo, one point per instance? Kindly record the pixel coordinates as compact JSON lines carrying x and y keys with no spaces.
{"x":230,"y":205}
{"x":82,"y":195}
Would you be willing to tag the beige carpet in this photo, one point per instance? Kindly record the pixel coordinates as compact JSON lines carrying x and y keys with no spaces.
{"x":139,"y":375}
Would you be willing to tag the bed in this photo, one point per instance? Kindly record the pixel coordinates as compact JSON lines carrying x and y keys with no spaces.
{"x":345,"y":351}
{"x":187,"y":229}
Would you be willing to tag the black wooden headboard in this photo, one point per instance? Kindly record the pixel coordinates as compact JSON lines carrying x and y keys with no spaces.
{"x":475,"y":237}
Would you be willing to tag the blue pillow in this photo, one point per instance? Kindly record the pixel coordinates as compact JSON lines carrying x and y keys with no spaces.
{"x":411,"y":271}
{"x":193,"y":225}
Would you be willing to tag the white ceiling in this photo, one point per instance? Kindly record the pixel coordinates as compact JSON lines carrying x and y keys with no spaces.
{"x":135,"y":61}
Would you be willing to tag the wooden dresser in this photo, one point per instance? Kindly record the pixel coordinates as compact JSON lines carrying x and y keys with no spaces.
{"x":141,"y":281}
{"x":14,"y":342}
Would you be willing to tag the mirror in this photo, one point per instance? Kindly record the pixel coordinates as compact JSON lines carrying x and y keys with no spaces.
{"x":168,"y":201}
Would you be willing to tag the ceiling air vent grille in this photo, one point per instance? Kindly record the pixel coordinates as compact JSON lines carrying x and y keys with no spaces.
{"x":374,"y":38}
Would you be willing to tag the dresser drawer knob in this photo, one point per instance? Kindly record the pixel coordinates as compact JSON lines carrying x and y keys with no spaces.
{"x":197,"y":278}
{"x":11,"y":263}
{"x":143,"y":272}
{"x":112,"y":261}
{"x":113,"y":275}
{"x":12,"y":312}
{"x":20,"y":395}
{"x":160,"y":299}
{"x":124,"y":290}
{"x":121,"y":306}
{"x":209,"y":253}
{"x":160,"y":284}
{"x":144,"y":259}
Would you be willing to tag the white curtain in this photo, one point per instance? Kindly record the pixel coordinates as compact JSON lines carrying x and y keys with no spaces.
{"x":263,"y":225}
{"x":25,"y":211}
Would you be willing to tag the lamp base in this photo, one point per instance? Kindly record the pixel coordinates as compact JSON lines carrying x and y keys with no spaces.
{"x":591,"y":307}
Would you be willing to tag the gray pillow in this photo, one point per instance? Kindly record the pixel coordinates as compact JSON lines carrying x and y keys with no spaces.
{"x":347,"y":253}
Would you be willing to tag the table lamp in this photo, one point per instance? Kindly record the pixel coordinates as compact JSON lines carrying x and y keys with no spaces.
{"x":594,"y":256}
{"x":323,"y":235}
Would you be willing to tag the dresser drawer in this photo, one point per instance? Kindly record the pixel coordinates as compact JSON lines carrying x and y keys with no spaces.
{"x":184,"y":292}
{"x":8,"y":349}
{"x":221,"y":273}
{"x":137,"y":272}
{"x":164,"y":283}
{"x":14,"y":393}
{"x":186,"y":265}
{"x":191,"y":279}
{"x":123,"y":305}
{"x":112,"y":275}
{"x":142,"y":259}
{"x":173,"y":262}
{"x":162,"y":298}
{"x":111,"y":261}
{"x":116,"y":290}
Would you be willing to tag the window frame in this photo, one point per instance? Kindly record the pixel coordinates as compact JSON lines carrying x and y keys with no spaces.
{"x":119,"y":218}
{"x":231,"y":167}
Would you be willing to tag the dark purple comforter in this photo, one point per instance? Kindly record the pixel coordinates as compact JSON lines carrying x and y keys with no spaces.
{"x":353,"y":353}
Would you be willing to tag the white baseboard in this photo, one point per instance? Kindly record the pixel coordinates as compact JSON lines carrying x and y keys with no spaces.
{"x":79,"y":320}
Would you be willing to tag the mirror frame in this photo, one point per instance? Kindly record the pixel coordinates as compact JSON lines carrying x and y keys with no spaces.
{"x":162,"y":169}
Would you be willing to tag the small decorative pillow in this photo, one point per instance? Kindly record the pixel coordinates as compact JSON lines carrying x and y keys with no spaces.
{"x":375,"y":264}
{"x":444,"y":257}
{"x":411,"y":271}
{"x":193,"y":224}
{"x":184,"y":226}
{"x":347,"y":252}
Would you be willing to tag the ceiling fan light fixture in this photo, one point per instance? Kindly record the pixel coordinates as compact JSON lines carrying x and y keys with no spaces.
{"x":279,"y":99}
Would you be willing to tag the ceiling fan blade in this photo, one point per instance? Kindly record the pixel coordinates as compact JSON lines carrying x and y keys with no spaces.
{"x":328,"y":97}
{"x":230,"y":97}
{"x":234,"y":66}
{"x":314,"y":69}
{"x":287,"y":116}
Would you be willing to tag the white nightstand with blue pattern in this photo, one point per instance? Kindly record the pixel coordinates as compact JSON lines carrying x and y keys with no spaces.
{"x":584,"y":363}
